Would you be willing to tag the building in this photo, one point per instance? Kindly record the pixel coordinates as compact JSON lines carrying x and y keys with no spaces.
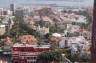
{"x":19,"y":12}
{"x":4,"y":12}
{"x":42,"y":30}
{"x":29,"y":39}
{"x":12,"y":8}
{"x":87,"y":34}
{"x":24,"y":53}
{"x":1,"y":11}
{"x":9,"y":12}
{"x":2,"y":29}
{"x":4,"y":60}
{"x":7,"y":43}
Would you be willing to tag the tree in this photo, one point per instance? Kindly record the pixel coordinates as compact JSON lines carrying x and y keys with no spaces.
{"x":85,"y":58}
{"x":17,"y":29}
{"x":41,"y":23}
{"x":14,"y":40}
{"x":54,"y":28}
{"x":51,"y":55}
{"x":1,"y":43}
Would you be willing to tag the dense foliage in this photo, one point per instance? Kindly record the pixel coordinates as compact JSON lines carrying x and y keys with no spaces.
{"x":51,"y":55}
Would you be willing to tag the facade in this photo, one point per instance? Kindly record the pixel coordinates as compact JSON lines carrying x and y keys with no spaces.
{"x":24,"y":53}
{"x":29,"y":39}
{"x":12,"y":8}
{"x":5,"y":12}
{"x":4,"y":60}
{"x":19,"y":12}
{"x":2,"y":29}
{"x":42,"y":30}
{"x":1,"y":11}
{"x":7,"y":43}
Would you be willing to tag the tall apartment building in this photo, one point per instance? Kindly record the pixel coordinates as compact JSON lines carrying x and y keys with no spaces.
{"x":12,"y":8}
{"x":1,"y":11}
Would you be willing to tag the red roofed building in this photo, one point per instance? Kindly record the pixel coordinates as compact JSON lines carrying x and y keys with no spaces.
{"x":24,"y":53}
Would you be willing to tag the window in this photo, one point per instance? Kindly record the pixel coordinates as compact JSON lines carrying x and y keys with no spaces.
{"x":22,"y":61}
{"x":15,"y":61}
{"x":28,"y":57}
{"x":31,"y":62}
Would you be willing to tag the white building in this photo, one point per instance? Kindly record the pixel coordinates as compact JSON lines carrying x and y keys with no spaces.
{"x":42,"y":30}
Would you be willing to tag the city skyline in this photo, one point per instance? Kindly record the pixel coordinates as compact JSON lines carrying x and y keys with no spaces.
{"x":85,"y":3}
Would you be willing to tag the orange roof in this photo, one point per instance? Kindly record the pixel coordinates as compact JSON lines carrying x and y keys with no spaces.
{"x":4,"y":15}
{"x":72,"y":15}
{"x":66,"y":19}
{"x":28,"y":39}
{"x":28,"y":16}
{"x":86,"y":30}
{"x":7,"y":39}
{"x":45,"y":18}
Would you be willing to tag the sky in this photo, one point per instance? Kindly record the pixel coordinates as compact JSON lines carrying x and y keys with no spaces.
{"x":58,"y":2}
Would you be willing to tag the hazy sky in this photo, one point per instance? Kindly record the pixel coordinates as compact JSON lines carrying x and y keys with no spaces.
{"x":58,"y":2}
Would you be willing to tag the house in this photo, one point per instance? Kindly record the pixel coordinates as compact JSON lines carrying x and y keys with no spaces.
{"x":36,"y":18}
{"x":8,"y":22}
{"x":79,"y":19}
{"x":27,"y":18}
{"x":72,"y":30}
{"x":87,"y":34}
{"x":72,"y":16}
{"x":61,"y":41}
{"x":2,"y":29}
{"x":7,"y":43}
{"x":29,"y":39}
{"x":75,"y":28}
{"x":42,"y":30}
{"x":81,"y":42}
{"x":46,"y":19}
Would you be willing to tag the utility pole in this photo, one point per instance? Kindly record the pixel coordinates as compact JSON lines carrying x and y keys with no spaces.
{"x":93,"y":48}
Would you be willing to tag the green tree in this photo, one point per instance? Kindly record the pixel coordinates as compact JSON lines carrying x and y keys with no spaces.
{"x":41,"y":23}
{"x":54,"y":28}
{"x":85,"y":58}
{"x":51,"y":55}
{"x":1,"y":43}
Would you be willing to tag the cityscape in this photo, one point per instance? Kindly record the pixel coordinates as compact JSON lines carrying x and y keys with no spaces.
{"x":45,"y":32}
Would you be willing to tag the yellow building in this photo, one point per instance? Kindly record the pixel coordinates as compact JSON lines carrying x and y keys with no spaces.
{"x":2,"y":29}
